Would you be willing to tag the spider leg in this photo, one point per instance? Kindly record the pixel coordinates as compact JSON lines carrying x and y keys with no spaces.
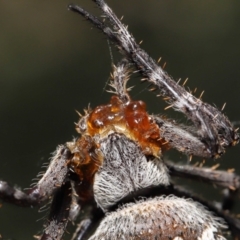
{"x":181,"y":138}
{"x":119,"y":78}
{"x":82,"y":228}
{"x":53,"y":178}
{"x":90,"y":219}
{"x":224,"y":179}
{"x":220,"y":178}
{"x":15,"y":196}
{"x":74,"y":207}
{"x":58,"y":218}
{"x":215,"y":130}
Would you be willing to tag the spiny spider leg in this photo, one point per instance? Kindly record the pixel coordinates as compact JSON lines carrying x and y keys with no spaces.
{"x":181,"y":137}
{"x":58,"y":217}
{"x":120,"y":76}
{"x":52,"y":182}
{"x":214,"y":129}
{"x":220,"y":178}
{"x":15,"y":196}
{"x":82,"y":227}
{"x":224,"y":179}
{"x":88,"y":226}
{"x":46,"y":186}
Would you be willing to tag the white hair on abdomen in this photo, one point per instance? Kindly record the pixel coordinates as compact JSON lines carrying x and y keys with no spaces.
{"x":160,"y":218}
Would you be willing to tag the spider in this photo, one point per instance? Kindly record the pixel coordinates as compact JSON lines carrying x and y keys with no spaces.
{"x":114,"y":172}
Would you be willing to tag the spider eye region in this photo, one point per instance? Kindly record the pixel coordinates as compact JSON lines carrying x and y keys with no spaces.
{"x":130,"y":119}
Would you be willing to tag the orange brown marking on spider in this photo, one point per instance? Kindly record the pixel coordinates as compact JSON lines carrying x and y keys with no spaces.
{"x":131,"y":119}
{"x":85,"y":163}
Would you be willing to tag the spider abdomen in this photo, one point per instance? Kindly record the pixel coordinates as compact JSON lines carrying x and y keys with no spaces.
{"x":160,"y":218}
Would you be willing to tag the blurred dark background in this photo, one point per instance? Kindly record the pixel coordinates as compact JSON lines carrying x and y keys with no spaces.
{"x":53,"y":62}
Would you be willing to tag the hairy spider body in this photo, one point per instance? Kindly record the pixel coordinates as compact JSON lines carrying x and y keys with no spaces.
{"x":129,"y":119}
{"x":114,"y":172}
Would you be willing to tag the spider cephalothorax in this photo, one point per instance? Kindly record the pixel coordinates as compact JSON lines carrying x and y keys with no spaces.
{"x":114,"y":173}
